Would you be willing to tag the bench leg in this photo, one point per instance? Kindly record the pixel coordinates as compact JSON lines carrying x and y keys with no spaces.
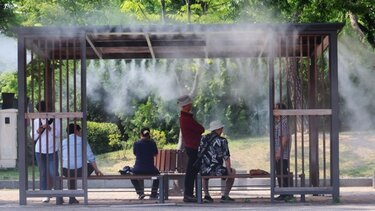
{"x":199,"y":188}
{"x":58,"y":186}
{"x":161,"y":188}
{"x":166,"y":187}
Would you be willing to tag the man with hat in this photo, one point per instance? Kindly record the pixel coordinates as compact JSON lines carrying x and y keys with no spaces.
{"x":214,"y":151}
{"x":191,"y":132}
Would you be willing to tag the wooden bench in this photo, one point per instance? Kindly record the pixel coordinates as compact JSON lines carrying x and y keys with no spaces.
{"x":245,"y":176}
{"x":171,"y":164}
{"x":119,"y":177}
{"x":135,"y":177}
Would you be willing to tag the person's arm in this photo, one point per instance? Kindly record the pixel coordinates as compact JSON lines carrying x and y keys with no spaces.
{"x":39,"y":127}
{"x":97,"y":171}
{"x":91,"y":159}
{"x":226,"y":157}
{"x":56,"y":124}
{"x":283,"y":144}
{"x":195,"y":127}
{"x":155,"y":148}
{"x":228,"y":165}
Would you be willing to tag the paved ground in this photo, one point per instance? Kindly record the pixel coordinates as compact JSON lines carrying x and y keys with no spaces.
{"x":352,"y":198}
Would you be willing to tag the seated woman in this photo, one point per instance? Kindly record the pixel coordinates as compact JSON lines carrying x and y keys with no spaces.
{"x":144,"y":150}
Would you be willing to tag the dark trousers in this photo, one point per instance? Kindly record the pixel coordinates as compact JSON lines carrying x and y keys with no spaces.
{"x":191,"y":171}
{"x":139,"y":184}
{"x":282,"y":172}
{"x":72,"y":174}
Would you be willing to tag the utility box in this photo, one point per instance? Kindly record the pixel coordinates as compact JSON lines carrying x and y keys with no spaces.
{"x":8,"y":138}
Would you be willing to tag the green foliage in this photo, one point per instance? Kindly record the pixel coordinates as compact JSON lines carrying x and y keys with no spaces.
{"x":80,"y":12}
{"x":8,"y":15}
{"x":164,"y":128}
{"x":8,"y":83}
{"x":159,"y":137}
{"x":103,"y":137}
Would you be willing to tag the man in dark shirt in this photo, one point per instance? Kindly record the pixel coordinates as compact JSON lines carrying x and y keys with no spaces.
{"x":144,"y":150}
{"x":191,"y":132}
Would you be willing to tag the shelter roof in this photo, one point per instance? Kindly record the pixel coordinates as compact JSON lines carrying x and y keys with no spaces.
{"x":179,"y":41}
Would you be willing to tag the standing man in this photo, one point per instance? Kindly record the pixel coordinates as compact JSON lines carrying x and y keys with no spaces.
{"x":46,"y":134}
{"x":214,"y":152}
{"x":191,"y":132}
{"x":282,"y":148}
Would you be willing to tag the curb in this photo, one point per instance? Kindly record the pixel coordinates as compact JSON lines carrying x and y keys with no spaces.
{"x":348,"y":182}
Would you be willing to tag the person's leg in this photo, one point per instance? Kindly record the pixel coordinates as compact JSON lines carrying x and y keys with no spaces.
{"x":279,"y":169}
{"x":278,"y":172}
{"x":286,"y":179}
{"x":139,"y":189}
{"x":155,"y":184}
{"x":285,"y":173}
{"x":155,"y":187}
{"x":229,"y":183}
{"x":41,"y":161}
{"x":90,"y":169}
{"x":53,"y":170}
{"x":205,"y":187}
{"x":191,"y":172}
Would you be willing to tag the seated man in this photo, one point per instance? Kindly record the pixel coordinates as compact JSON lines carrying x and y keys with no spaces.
{"x":144,"y":150}
{"x":72,"y":160}
{"x":214,"y":151}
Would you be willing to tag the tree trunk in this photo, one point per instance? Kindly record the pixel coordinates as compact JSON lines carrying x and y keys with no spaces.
{"x":354,"y":22}
{"x":192,"y":94}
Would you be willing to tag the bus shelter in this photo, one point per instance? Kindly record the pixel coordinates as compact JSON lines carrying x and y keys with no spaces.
{"x":301,"y":61}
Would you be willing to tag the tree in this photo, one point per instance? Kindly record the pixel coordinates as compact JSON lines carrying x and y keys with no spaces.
{"x":8,"y":17}
{"x":360,"y":14}
{"x":79,"y":12}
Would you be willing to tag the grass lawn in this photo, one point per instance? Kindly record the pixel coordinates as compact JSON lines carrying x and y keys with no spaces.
{"x":357,"y":156}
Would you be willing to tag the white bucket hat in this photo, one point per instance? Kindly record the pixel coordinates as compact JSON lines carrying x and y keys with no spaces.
{"x":184,"y":100}
{"x":214,"y":125}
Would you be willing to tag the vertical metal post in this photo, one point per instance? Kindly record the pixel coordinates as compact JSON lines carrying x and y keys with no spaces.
{"x":21,"y":120}
{"x":199,"y":188}
{"x":313,"y":131}
{"x":333,"y":70}
{"x":84,"y":111}
{"x":161,"y":188}
{"x":271,"y":87}
{"x":188,"y":10}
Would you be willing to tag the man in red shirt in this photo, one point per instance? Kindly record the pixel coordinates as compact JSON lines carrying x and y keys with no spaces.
{"x":191,"y":132}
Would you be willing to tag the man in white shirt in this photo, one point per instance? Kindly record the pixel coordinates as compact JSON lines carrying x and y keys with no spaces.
{"x":46,"y":134}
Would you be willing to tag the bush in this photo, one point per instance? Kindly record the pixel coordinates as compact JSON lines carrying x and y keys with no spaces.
{"x":157,"y":135}
{"x":103,"y":137}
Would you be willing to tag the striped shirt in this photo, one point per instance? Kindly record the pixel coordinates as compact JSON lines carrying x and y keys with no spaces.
{"x":281,"y":130}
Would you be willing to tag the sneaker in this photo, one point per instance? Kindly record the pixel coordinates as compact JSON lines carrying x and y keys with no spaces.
{"x":189,"y":199}
{"x":225,"y":199}
{"x":45,"y":200}
{"x":141,"y":196}
{"x":207,"y":199}
{"x":73,"y":201}
{"x":280,"y":198}
{"x":290,"y":198}
{"x":154,"y":196}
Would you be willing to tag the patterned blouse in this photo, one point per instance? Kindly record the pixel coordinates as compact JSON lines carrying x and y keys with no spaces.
{"x":213,"y":157}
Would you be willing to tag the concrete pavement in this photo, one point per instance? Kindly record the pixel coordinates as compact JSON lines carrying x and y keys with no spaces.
{"x":352,"y":198}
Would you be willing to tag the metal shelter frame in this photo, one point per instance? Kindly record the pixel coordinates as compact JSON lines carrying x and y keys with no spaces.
{"x":52,"y":64}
